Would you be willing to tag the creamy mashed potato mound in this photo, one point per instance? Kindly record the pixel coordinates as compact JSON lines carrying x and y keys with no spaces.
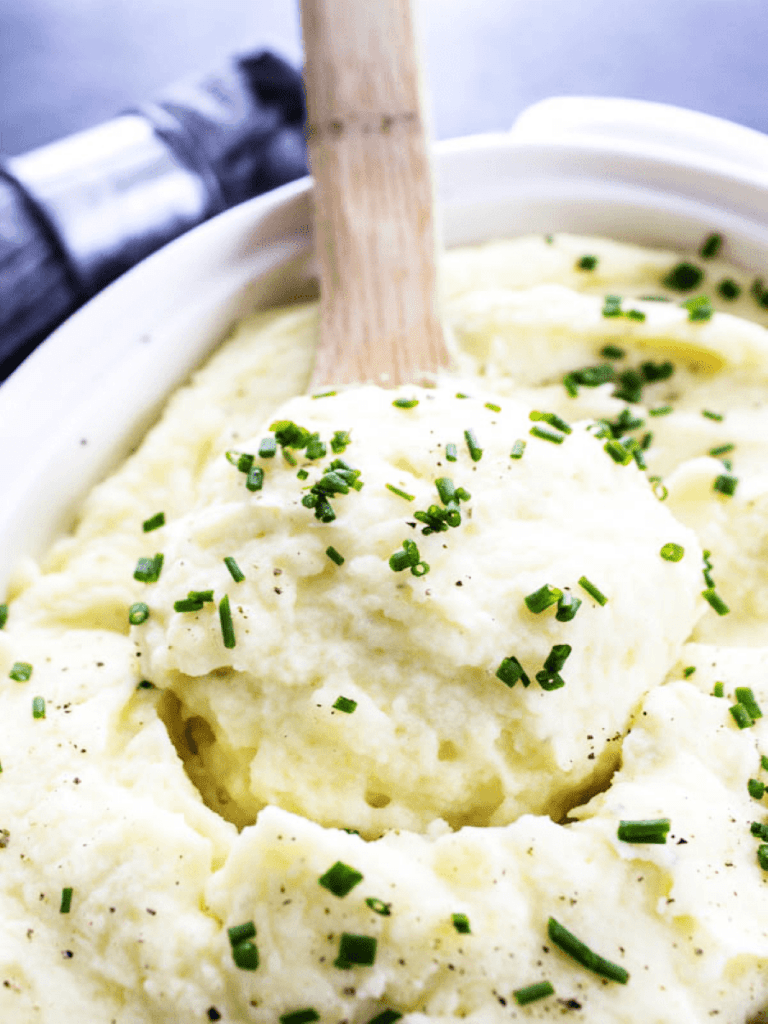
{"x":349,"y":733}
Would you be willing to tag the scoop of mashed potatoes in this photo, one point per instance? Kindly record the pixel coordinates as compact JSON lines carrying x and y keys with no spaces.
{"x":423,"y":704}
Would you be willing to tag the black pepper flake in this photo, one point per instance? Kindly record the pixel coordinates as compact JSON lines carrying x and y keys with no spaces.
{"x":213,"y":1013}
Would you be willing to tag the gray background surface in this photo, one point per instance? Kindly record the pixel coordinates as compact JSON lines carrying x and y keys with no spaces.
{"x":69,"y":64}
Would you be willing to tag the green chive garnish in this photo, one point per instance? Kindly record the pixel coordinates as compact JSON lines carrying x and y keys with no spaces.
{"x":726,"y":484}
{"x":461,"y":923}
{"x":587,"y":263}
{"x":759,"y":830}
{"x":510,"y":670}
{"x":557,"y":657}
{"x":543,"y":598}
{"x":38,"y":707}
{"x":567,"y":606}
{"x":227,"y":626}
{"x":756,"y":789}
{"x":722,"y":449}
{"x":518,"y":449}
{"x":66,"y":900}
{"x":405,"y":403}
{"x":267,"y":448}
{"x":699,"y":308}
{"x":619,"y":452}
{"x":451,"y":453}
{"x":762,"y":856}
{"x":3,"y":615}
{"x":711,"y":246}
{"x":475,"y":451}
{"x":650,"y":830}
{"x":718,"y":690}
{"x":138,"y":613}
{"x":612,"y":306}
{"x":334,"y":555}
{"x":592,"y":590}
{"x":713,"y":598}
{"x":717,"y":416}
{"x":683,"y":277}
{"x":552,"y":419}
{"x":672,"y":552}
{"x":379,"y":906}
{"x":21,"y":671}
{"x":324,"y":394}
{"x":547,"y":435}
{"x":234,"y":569}
{"x":531,"y":993}
{"x":635,"y":314}
{"x":612,"y":352}
{"x":583,"y":955}
{"x":316,"y":449}
{"x":386,"y":1017}
{"x":745,"y":696}
{"x":493,"y":407}
{"x":310,"y":1014}
{"x":340,"y":440}
{"x":255,"y":479}
{"x":660,"y":410}
{"x":340,"y":879}
{"x":728,"y":289}
{"x":241,"y":932}
{"x":148,"y":569}
{"x":345,"y":704}
{"x":399,"y":493}
{"x":245,"y":956}
{"x":154,"y":523}
{"x":741,"y":717}
{"x":355,"y":950}
{"x":688,"y":672}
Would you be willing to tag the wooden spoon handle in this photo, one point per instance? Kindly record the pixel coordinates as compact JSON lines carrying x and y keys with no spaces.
{"x":373,"y":194}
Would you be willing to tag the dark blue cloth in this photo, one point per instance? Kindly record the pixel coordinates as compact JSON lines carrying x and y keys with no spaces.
{"x":232,"y":135}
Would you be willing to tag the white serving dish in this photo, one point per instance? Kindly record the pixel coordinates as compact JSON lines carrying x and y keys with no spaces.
{"x":640,"y":172}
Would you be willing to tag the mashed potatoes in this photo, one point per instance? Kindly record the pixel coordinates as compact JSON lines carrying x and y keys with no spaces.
{"x":349,"y":731}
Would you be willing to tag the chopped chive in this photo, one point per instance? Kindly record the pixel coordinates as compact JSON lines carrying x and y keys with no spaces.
{"x":493,"y":407}
{"x":302,"y":474}
{"x":148,"y":569}
{"x":547,"y":435}
{"x":446,"y":489}
{"x":583,"y":955}
{"x":571,"y":385}
{"x":242,"y":460}
{"x":386,"y":1017}
{"x":649,"y":830}
{"x":138,"y":613}
{"x":552,"y":419}
{"x":672,"y":552}
{"x":344,"y":704}
{"x":310,"y":1014}
{"x":717,"y":416}
{"x":711,"y":246}
{"x":405,"y":403}
{"x":267,"y":448}
{"x":461,"y":924}
{"x":289,"y":434}
{"x":529,"y":994}
{"x":460,"y":394}
{"x":145,"y":685}
{"x":592,"y":376}
{"x":612,"y":352}
{"x":713,"y":598}
{"x":612,"y":306}
{"x":635,"y":314}
{"x":355,"y":949}
{"x":660,"y":410}
{"x":728,"y":289}
{"x":620,"y":453}
{"x":475,"y":451}
{"x":340,"y":440}
{"x":340,"y":879}
{"x":154,"y":522}
{"x":543,"y":598}
{"x":3,"y":615}
{"x":289,"y":457}
{"x":549,"y":680}
{"x":334,"y":555}
{"x":587,"y":263}
{"x":722,"y":449}
{"x":745,"y":696}
{"x":379,"y":906}
{"x":240,"y":932}
{"x":234,"y":569}
{"x":21,"y":671}
{"x":688,"y":672}
{"x":683,"y":277}
{"x":66,"y":900}
{"x":764,"y":762}
{"x":741,"y":717}
{"x":567,"y":606}
{"x":399,"y":493}
{"x":227,"y":626}
{"x":451,"y":453}
{"x":518,"y":448}
{"x":557,"y":657}
{"x":316,"y":449}
{"x":718,"y":690}
{"x":592,"y":590}
{"x":255,"y":479}
{"x":759,"y":830}
{"x":726,"y":484}
{"x":755,"y":788}
{"x":324,"y":394}
{"x":38,"y":707}
{"x":510,"y":670}
{"x":245,"y":955}
{"x":762,"y":856}
{"x":699,"y":308}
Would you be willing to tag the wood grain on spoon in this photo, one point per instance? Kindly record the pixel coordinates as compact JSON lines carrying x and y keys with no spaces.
{"x":368,"y":153}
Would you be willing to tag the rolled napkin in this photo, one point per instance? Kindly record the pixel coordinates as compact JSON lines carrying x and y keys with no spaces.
{"x":77,"y":213}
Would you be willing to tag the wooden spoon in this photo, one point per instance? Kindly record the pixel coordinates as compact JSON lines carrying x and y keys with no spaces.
{"x":374,"y":234}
